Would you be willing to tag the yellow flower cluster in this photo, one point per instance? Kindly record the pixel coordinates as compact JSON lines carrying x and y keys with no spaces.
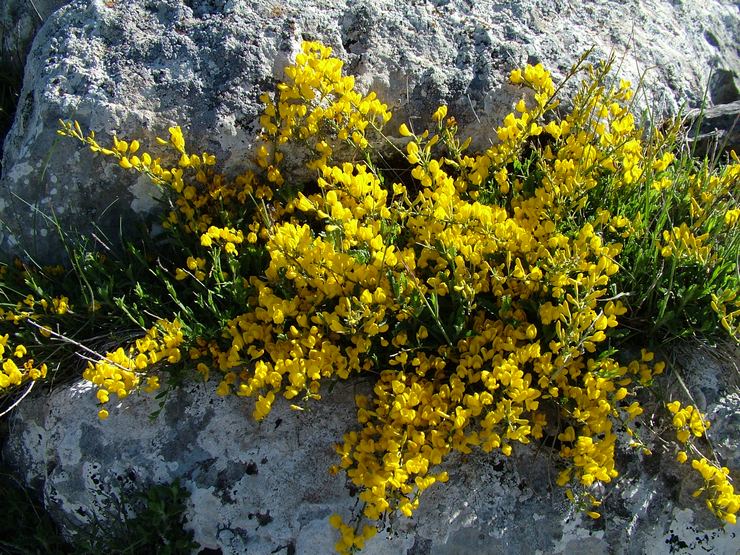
{"x":730,"y":319}
{"x":721,"y":498}
{"x":27,"y":308}
{"x":682,"y":243}
{"x":11,"y":374}
{"x":195,"y":267}
{"x":687,"y":421}
{"x":366,"y":268}
{"x":350,"y":540}
{"x":199,"y":193}
{"x":16,"y":366}
{"x":478,"y":296}
{"x":315,"y":104}
{"x":512,"y":135}
{"x":120,"y":372}
{"x":229,"y":237}
{"x":711,"y":194}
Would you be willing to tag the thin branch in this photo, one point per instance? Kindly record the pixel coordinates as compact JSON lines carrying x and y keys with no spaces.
{"x":18,"y":402}
{"x":98,"y":356}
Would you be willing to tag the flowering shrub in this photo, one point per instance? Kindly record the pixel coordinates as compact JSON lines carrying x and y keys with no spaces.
{"x":483,"y":292}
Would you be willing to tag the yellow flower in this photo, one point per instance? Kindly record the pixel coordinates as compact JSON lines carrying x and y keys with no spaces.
{"x":152,"y":384}
{"x":634,"y":410}
{"x":440,"y":114}
{"x":223,"y":389}
{"x":404,"y":131}
{"x":732,"y":216}
{"x":176,"y":138}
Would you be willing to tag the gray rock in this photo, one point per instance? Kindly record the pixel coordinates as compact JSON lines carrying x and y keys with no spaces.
{"x":715,"y":128}
{"x":137,"y":67}
{"x":723,"y":86}
{"x":258,"y":487}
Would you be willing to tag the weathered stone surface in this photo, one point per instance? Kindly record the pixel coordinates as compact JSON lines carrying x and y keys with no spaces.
{"x":137,"y":67}
{"x":717,"y":127}
{"x":259,"y":487}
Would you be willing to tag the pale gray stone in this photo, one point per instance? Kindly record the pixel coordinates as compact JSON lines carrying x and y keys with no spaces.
{"x":136,"y":67}
{"x":257,"y":488}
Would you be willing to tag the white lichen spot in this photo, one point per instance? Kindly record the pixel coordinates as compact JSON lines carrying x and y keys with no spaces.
{"x":19,"y":170}
{"x":145,"y":198}
{"x":69,"y":449}
{"x":641,"y":495}
{"x":573,"y":531}
{"x":683,"y":529}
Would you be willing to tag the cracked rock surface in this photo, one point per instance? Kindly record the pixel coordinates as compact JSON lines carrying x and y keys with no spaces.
{"x":260,"y":488}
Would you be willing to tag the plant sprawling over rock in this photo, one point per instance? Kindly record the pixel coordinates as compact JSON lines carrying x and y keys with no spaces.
{"x":483,"y":294}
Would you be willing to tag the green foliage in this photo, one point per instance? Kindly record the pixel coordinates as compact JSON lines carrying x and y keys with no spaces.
{"x":157,"y":528}
{"x":670,"y":290}
{"x":25,"y":528}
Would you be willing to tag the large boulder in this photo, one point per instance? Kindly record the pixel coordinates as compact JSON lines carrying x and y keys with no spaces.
{"x":136,"y":67}
{"x":259,"y":488}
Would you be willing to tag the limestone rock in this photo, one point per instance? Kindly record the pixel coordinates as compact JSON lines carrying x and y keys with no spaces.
{"x":257,"y":488}
{"x":135,"y":68}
